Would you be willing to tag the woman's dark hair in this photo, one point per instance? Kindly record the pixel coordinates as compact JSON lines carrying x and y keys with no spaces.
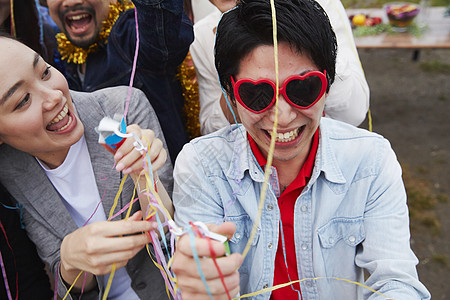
{"x":27,"y":27}
{"x":301,"y":23}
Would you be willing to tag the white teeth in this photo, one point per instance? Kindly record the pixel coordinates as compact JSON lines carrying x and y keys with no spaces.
{"x":287,"y":136}
{"x":61,"y":115}
{"x":79,"y":17}
{"x":65,"y":126}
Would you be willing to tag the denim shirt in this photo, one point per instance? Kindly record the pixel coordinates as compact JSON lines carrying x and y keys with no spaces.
{"x":351,"y":216}
{"x":165,"y":33}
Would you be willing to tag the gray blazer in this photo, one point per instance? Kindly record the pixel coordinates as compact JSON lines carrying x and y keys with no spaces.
{"x":46,"y":219}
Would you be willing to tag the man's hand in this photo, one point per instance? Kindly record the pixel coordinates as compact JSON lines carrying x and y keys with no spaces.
{"x":185,"y":267}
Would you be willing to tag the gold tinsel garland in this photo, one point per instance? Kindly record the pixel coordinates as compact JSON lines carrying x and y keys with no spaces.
{"x":188,"y":79}
{"x":78,"y":55}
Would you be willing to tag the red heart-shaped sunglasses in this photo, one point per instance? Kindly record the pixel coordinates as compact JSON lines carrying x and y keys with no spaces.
{"x":301,"y":91}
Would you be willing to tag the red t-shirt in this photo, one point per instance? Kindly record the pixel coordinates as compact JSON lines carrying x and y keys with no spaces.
{"x":286,"y":270}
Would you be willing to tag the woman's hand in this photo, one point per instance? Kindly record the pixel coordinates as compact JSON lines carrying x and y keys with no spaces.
{"x":96,"y":247}
{"x":130,"y":161}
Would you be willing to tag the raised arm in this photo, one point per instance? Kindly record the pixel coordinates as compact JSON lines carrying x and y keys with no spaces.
{"x":165,"y":34}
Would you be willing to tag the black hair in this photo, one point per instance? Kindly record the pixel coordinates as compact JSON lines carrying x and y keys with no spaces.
{"x":27,"y":26}
{"x":301,"y":23}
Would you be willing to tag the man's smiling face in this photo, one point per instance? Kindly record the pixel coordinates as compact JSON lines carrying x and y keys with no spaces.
{"x":296,"y":126}
{"x":80,"y":20}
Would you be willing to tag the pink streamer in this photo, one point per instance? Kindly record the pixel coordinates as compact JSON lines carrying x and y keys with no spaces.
{"x":134,"y":65}
{"x":95,"y":210}
{"x":84,"y":283}
{"x":5,"y":279}
{"x":159,"y":254}
{"x":123,"y":209}
{"x":8,"y":291}
{"x":55,"y":292}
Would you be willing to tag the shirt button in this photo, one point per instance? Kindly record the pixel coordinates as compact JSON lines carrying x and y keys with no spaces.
{"x":352,"y":239}
{"x":308,"y":283}
{"x":269,"y":245}
{"x":331,"y":240}
{"x":237,"y":235}
{"x":304,"y":246}
{"x":265,"y":286}
{"x":304,"y":208}
{"x":269,"y":207}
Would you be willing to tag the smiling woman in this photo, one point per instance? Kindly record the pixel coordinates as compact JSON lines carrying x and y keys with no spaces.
{"x":35,"y":95}
{"x":51,"y":163}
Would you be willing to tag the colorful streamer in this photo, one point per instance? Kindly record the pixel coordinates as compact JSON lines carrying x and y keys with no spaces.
{"x":269,"y":289}
{"x":5,"y":279}
{"x":13,"y":22}
{"x":272,"y":138}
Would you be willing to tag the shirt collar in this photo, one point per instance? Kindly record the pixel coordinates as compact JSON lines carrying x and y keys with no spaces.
{"x":243,"y":158}
{"x":306,"y":170}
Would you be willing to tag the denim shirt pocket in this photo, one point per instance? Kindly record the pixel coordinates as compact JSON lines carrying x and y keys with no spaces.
{"x":238,"y":241}
{"x":244,"y":226}
{"x":349,"y":230}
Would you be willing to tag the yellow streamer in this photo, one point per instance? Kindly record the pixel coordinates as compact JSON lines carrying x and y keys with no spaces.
{"x":116,"y":199}
{"x":159,"y":267}
{"x":111,"y":212}
{"x":272,"y":139}
{"x":110,"y":279}
{"x":315,"y":278}
{"x":70,"y":288}
{"x":13,"y":22}
{"x":153,"y":211}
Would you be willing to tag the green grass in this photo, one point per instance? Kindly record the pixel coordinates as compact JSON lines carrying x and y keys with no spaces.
{"x":442,"y":198}
{"x":441,"y":259}
{"x":442,"y":97}
{"x":435,"y":66}
{"x":422,"y":202}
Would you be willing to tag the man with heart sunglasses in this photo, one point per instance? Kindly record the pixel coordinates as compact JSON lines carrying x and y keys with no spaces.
{"x":336,"y":204}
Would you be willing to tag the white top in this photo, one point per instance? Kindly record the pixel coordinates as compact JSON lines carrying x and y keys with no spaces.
{"x":202,"y":8}
{"x":348,"y":99}
{"x":75,"y":181}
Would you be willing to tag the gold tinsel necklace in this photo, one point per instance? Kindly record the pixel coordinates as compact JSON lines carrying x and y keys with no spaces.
{"x":78,"y":55}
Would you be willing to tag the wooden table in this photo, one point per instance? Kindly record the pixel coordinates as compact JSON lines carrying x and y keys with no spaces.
{"x":437,"y":35}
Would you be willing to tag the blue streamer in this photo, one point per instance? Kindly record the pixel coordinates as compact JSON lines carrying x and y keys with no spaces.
{"x":197,"y":261}
{"x":19,"y":207}
{"x":285,"y":261}
{"x":161,"y":232}
{"x":41,"y":26}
